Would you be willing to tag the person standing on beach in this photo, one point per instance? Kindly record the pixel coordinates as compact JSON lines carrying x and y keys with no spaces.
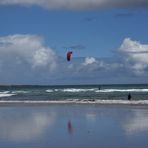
{"x":129,"y":96}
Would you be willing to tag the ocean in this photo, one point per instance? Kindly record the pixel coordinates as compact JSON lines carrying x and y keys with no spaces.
{"x":75,"y":93}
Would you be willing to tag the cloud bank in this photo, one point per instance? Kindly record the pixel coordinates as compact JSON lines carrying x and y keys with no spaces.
{"x":78,"y":4}
{"x":24,"y":59}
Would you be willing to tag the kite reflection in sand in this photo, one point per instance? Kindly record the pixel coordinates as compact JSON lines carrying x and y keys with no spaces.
{"x":69,"y":127}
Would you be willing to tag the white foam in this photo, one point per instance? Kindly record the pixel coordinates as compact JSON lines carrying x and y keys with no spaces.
{"x":6,"y":95}
{"x":20,"y":91}
{"x":4,"y":92}
{"x":56,"y":89}
{"x":121,"y":90}
{"x":134,"y":102}
{"x":49,"y":90}
{"x":78,"y":90}
{"x":77,"y":101}
{"x":73,"y":90}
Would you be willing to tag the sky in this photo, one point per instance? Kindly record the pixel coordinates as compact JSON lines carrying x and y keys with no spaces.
{"x":108,"y":38}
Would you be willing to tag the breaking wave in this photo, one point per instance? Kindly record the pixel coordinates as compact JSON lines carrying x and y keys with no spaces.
{"x":73,"y":90}
{"x":49,"y":90}
{"x":77,"y":101}
{"x":20,"y":92}
{"x":78,"y":90}
{"x":6,"y":94}
{"x":122,"y":90}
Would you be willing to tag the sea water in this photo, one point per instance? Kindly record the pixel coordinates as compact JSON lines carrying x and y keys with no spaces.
{"x":75,"y":93}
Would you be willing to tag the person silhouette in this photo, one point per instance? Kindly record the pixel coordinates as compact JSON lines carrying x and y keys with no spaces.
{"x":129,"y":96}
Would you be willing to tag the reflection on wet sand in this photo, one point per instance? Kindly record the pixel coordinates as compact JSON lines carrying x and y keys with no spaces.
{"x":82,"y":126}
{"x":69,"y":127}
{"x":91,"y":116}
{"x":135,"y":123}
{"x":25,"y":127}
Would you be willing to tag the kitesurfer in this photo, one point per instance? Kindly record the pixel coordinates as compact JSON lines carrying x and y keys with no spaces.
{"x":69,"y":53}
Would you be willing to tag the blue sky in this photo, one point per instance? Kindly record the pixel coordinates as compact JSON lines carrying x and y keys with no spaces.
{"x":108,"y":40}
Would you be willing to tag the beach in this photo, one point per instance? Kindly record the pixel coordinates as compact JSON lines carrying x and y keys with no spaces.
{"x":73,"y":74}
{"x":73,"y":125}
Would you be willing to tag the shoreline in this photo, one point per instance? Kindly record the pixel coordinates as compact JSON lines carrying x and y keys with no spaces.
{"x":76,"y":101}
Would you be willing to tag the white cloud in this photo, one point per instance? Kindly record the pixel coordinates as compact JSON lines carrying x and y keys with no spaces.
{"x":16,"y":49}
{"x":78,"y":4}
{"x":89,"y":60}
{"x":92,"y":64}
{"x":135,"y":55}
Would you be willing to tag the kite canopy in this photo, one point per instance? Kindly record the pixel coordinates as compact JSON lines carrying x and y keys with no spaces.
{"x":69,"y":53}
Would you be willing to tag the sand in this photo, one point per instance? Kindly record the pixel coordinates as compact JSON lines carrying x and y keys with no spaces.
{"x":73,"y":125}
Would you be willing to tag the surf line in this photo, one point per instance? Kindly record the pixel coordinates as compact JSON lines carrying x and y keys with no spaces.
{"x":85,"y":101}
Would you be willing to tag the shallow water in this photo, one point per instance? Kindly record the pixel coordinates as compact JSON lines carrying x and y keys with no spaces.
{"x":71,"y":126}
{"x":73,"y":92}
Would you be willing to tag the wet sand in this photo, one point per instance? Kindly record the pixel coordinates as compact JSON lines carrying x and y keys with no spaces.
{"x":73,"y":125}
